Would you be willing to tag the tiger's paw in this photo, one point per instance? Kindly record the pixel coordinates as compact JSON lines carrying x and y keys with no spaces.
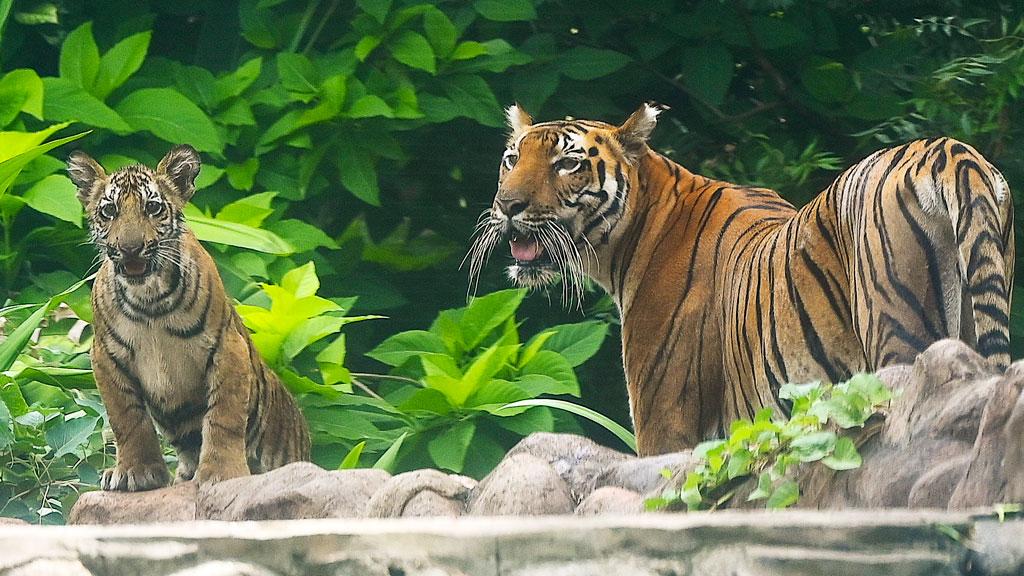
{"x":212,"y":474}
{"x":135,"y":478}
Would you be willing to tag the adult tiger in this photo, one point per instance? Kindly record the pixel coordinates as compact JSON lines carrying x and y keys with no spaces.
{"x":168,"y":341}
{"x":727,"y":292}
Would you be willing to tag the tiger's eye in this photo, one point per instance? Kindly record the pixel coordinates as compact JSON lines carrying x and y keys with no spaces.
{"x":108,"y":210}
{"x":154,"y":207}
{"x":568,"y":164}
{"x":510,"y":160}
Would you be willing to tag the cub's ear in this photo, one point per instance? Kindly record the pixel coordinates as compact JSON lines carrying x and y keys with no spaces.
{"x":181,"y":166}
{"x":85,"y":173}
{"x":518,"y":121}
{"x":635,"y":131}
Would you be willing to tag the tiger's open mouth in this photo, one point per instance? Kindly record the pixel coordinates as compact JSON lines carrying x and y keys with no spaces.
{"x":528,"y":251}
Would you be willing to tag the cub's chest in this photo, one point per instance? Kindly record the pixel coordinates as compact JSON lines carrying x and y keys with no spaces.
{"x":168,"y":367}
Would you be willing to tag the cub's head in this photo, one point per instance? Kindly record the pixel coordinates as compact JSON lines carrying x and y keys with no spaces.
{"x":134,"y":214}
{"x":562,"y":189}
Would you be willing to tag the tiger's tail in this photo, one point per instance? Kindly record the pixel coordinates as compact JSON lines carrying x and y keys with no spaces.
{"x":977,"y":200}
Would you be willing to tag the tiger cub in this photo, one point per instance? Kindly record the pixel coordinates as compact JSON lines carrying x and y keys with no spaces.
{"x":168,"y":345}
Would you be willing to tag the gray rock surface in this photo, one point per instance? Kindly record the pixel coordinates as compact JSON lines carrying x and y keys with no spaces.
{"x":420,"y":493}
{"x":522,"y":485}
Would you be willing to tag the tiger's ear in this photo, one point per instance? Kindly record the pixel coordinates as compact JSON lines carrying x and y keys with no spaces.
{"x":634,"y":132}
{"x":518,"y":121}
{"x":181,"y":166}
{"x":85,"y":173}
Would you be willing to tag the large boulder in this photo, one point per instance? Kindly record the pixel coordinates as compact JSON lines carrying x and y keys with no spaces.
{"x":522,"y":485}
{"x":420,"y":493}
{"x":175,"y":503}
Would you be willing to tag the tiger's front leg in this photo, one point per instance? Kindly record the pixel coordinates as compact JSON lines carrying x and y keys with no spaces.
{"x":230,"y":384}
{"x":140,"y":463}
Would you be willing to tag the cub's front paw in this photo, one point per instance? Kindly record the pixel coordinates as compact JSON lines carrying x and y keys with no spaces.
{"x":135,"y":478}
{"x":211,"y":474}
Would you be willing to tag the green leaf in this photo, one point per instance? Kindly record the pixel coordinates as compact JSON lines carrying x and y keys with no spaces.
{"x":785,"y":494}
{"x":6,"y":427}
{"x":553,"y":365}
{"x":707,"y":71}
{"x":536,"y":419}
{"x":170,"y":116}
{"x":397,"y":349}
{"x":366,"y":46}
{"x":67,"y":101}
{"x":615,"y":428}
{"x":242,"y":175}
{"x":20,"y":91}
{"x":56,"y":195}
{"x":120,"y":62}
{"x":813,"y":446}
{"x":586,"y":63}
{"x":233,"y":84}
{"x":485,"y":313}
{"x":66,"y":436}
{"x":413,"y":50}
{"x":251,"y":210}
{"x":473,"y":98}
{"x":448,"y":449}
{"x":233,"y":234}
{"x":441,"y":33}
{"x":577,"y":342}
{"x":505,"y":10}
{"x":352,"y":458}
{"x":369,"y":106}
{"x":80,"y":58}
{"x":358,"y":173}
{"x":302,"y":281}
{"x":468,"y":50}
{"x":828,"y":81}
{"x":390,"y":456}
{"x":377,"y":8}
{"x":302,"y":235}
{"x":17,"y":149}
{"x":298,"y":74}
{"x":844,"y":457}
{"x":331,"y":361}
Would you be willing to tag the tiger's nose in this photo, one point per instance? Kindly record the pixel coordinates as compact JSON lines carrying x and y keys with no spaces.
{"x":511,"y":206}
{"x":132,"y":250}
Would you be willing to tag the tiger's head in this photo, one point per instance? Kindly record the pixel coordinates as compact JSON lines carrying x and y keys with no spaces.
{"x":135,"y":214}
{"x":563,"y":187}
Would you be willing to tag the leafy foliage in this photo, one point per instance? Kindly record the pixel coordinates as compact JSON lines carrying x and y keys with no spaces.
{"x":770,"y":447}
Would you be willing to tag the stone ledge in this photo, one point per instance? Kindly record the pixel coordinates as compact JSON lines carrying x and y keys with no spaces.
{"x":789,"y":542}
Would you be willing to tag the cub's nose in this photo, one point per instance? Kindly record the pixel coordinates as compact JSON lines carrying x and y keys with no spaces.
{"x":131,"y":250}
{"x":510,"y":206}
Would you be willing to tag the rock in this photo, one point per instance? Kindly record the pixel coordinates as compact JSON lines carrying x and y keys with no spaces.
{"x":176,"y":503}
{"x":298,"y":490}
{"x":578,"y":460}
{"x":643,"y":475}
{"x":4,"y":520}
{"x":222,"y":568}
{"x":521,"y":485}
{"x":420,"y":493}
{"x":611,"y":500}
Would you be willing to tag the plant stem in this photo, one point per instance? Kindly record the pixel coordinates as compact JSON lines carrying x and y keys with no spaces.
{"x":387,"y":377}
{"x":307,"y":17}
{"x":320,"y":27}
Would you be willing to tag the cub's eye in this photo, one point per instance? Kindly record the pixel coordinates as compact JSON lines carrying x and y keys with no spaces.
{"x":154,"y":208}
{"x":108,"y":210}
{"x":568,"y":164}
{"x":510,"y":160}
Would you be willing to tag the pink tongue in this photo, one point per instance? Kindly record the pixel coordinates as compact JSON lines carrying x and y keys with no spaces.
{"x":525,"y":249}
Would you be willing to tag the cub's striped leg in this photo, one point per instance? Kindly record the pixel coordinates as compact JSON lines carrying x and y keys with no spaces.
{"x":140,"y":464}
{"x":230,"y":383}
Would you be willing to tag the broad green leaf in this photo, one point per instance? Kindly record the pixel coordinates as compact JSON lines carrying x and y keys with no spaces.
{"x":485,"y":313}
{"x":358,"y":172}
{"x":331,"y":361}
{"x":473,"y":98}
{"x":80,"y":58}
{"x":242,"y":175}
{"x":468,"y":50}
{"x":827,"y":80}
{"x":233,"y":84}
{"x":307,"y":332}
{"x":505,"y":10}
{"x":233,"y":234}
{"x":485,"y":367}
{"x":495,"y":394}
{"x":366,"y":46}
{"x":20,"y":91}
{"x":119,"y":63}
{"x":844,"y":457}
{"x":56,"y":195}
{"x":426,"y":400}
{"x":390,"y":456}
{"x":302,"y":235}
{"x":6,"y":427}
{"x":413,"y":50}
{"x":813,"y":446}
{"x":14,"y":143}
{"x":65,"y":100}
{"x":536,"y":419}
{"x":377,"y":8}
{"x":785,"y":494}
{"x":397,"y":349}
{"x":170,"y":116}
{"x":547,"y":363}
{"x":586,"y":63}
{"x":251,"y":210}
{"x":369,"y":106}
{"x":298,"y":74}
{"x":351,"y":459}
{"x":448,"y":449}
{"x":577,"y":342}
{"x":302,"y":281}
{"x":66,"y":436}
{"x":707,"y":71}
{"x":615,"y":428}
{"x":440,"y":31}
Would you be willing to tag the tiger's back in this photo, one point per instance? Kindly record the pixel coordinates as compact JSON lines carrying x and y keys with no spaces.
{"x":168,"y":344}
{"x":727,"y":292}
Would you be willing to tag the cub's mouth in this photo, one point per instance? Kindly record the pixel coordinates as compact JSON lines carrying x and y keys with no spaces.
{"x":133,"y":267}
{"x":528,"y":251}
